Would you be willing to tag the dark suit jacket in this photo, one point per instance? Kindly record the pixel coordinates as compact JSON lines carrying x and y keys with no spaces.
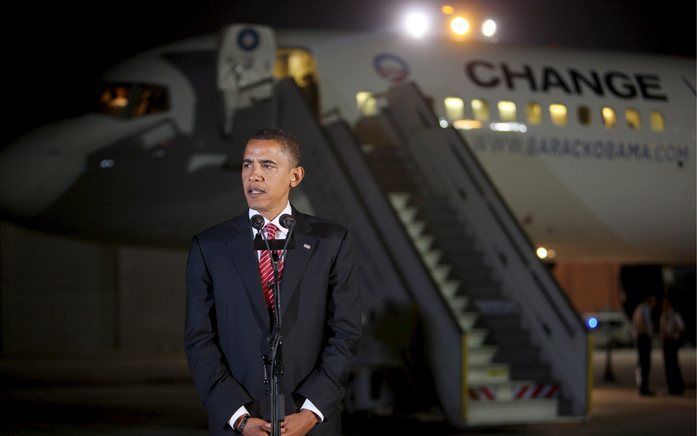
{"x":227,"y":321}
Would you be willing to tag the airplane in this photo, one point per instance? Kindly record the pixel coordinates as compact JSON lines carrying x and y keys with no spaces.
{"x":593,"y":151}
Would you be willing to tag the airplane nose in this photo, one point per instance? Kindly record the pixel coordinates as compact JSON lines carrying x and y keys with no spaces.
{"x":41,"y":166}
{"x":34,"y":171}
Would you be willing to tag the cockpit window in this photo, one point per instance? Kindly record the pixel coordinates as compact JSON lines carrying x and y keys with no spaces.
{"x":114,"y":98}
{"x":299,"y":64}
{"x":128,"y":100}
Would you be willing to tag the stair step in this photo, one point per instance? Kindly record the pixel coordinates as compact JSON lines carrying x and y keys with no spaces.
{"x":406,"y":214}
{"x":476,"y":338}
{"x":490,"y":373}
{"x":449,"y":288}
{"x":415,"y":228}
{"x":467,"y":320}
{"x":511,"y":411}
{"x":457,"y":303}
{"x":482,"y":355}
{"x":432,"y":257}
{"x":423,"y":243}
{"x":398,"y":200}
{"x":440,"y":273}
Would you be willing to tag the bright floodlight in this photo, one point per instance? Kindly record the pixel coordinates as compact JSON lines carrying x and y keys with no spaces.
{"x":542,"y":252}
{"x":489,"y":28}
{"x":416,"y":24}
{"x":459,"y":26}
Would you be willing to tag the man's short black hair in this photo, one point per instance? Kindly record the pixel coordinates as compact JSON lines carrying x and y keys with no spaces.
{"x":290,"y":143}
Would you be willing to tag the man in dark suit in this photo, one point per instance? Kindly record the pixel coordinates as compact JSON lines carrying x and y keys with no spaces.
{"x":229,"y":317}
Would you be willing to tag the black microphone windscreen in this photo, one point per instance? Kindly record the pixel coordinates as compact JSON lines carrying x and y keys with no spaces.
{"x":257,"y":222}
{"x":287,"y":221}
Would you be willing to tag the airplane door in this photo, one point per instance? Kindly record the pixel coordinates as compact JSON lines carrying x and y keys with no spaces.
{"x":246,"y":56}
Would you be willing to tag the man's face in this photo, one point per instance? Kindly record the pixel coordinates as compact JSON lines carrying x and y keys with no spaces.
{"x":267,"y":176}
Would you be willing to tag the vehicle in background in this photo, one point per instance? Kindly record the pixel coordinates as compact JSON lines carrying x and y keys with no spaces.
{"x":609,"y":327}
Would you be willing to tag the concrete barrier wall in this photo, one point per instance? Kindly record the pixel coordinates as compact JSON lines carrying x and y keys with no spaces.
{"x":60,"y":295}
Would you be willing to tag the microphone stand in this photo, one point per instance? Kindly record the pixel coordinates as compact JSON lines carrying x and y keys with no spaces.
{"x":274,"y":387}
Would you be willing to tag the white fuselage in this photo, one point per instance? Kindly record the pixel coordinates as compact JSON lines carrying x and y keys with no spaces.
{"x":585,"y":190}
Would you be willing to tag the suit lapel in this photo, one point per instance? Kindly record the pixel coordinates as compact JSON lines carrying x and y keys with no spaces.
{"x":241,"y":249}
{"x":296,"y":259}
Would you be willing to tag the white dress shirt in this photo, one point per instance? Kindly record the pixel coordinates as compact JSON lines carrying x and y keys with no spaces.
{"x":281,"y":233}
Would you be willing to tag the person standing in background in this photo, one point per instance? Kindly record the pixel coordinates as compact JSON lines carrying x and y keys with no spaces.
{"x":672,"y":328}
{"x":643,"y":332}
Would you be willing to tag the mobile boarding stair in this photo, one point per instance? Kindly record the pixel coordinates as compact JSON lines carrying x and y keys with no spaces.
{"x":527,"y":355}
{"x":502,"y":343}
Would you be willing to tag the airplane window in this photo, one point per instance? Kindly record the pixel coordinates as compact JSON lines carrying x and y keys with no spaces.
{"x":150,"y":99}
{"x":633,"y":120}
{"x":658,"y":123}
{"x":558,"y":114}
{"x":127,"y":100}
{"x":300,"y":65}
{"x":480,"y":109}
{"x":533,"y":113}
{"x":507,"y":111}
{"x":367,"y":103}
{"x":114,"y":98}
{"x":454,"y":108}
{"x":609,"y":117}
{"x":584,"y":115}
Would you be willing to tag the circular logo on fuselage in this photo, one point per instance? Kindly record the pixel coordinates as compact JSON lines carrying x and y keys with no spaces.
{"x":248,"y":39}
{"x":391,"y":67}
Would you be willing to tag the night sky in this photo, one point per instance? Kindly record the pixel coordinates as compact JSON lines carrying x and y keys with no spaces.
{"x":54,"y":53}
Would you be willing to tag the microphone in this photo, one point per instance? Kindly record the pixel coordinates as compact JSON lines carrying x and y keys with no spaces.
{"x":257,"y":222}
{"x":287,"y":221}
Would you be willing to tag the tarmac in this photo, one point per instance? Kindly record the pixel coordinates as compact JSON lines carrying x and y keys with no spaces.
{"x":135,"y":394}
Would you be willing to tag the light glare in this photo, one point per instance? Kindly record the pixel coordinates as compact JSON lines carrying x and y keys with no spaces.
{"x":416,"y":24}
{"x":489,"y":28}
{"x":447,"y":9}
{"x":459,"y":26}
{"x":542,"y":252}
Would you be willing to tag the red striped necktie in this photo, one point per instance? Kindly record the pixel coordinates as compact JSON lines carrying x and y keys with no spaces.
{"x":266,"y":270}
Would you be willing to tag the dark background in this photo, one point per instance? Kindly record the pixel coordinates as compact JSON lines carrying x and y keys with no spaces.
{"x":54,"y":53}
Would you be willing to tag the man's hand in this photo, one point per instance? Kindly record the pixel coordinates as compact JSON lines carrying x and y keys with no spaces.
{"x":256,"y":427}
{"x":298,"y":424}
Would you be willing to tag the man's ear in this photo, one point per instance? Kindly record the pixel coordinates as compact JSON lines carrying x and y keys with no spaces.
{"x":296,"y":176}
